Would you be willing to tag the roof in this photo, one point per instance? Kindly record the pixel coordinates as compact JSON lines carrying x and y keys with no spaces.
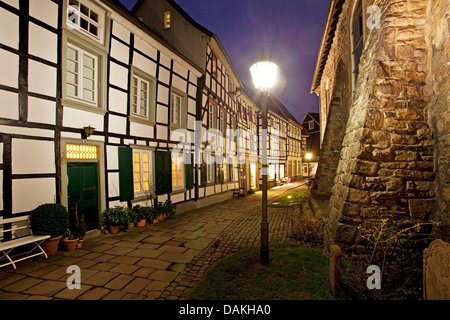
{"x":274,"y":104}
{"x":315,"y":116}
{"x":180,"y":10}
{"x":327,"y":40}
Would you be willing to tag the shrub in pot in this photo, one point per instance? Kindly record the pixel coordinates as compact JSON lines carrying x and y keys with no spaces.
{"x":169,"y":208}
{"x":50,"y":219}
{"x":132,"y":218}
{"x":142,"y":214}
{"x":116,"y":218}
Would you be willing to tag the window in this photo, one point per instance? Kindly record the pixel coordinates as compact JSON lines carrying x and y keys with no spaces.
{"x":175,"y":115}
{"x":357,"y":39}
{"x":311,"y":125}
{"x":211,"y":173}
{"x":177,"y":172}
{"x":223,"y":122}
{"x":81,"y":75}
{"x":81,"y":152}
{"x":140,"y":96}
{"x":141,"y":172}
{"x":214,"y":64}
{"x":167,"y":16}
{"x":85,"y":17}
{"x":212,"y":116}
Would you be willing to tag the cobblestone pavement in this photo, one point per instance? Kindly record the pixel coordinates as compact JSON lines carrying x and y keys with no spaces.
{"x":163,"y":261}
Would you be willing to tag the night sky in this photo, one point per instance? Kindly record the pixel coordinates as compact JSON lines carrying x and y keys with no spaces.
{"x":290,"y":32}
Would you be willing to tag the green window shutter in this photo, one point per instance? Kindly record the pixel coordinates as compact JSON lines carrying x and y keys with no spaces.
{"x":203,"y":173}
{"x":189,"y":172}
{"x":230,"y":172}
{"x":126,"y":188}
{"x":163,"y":172}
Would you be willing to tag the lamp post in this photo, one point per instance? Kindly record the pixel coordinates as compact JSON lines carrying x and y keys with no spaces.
{"x":264,"y":74}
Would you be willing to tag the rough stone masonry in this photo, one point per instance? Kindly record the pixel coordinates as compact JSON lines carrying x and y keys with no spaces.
{"x":386,"y":143}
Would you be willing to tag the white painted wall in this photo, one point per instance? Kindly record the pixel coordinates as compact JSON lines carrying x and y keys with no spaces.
{"x":32,"y":156}
{"x":41,"y":78}
{"x":41,"y":111}
{"x":9,"y":105}
{"x":27,"y":194}
{"x":45,"y":10}
{"x":43,"y":43}
{"x":10,"y":22}
{"x":75,"y":118}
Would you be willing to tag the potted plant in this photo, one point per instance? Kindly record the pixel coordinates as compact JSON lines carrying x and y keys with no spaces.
{"x":70,"y":241}
{"x":115,"y":218}
{"x":157,"y":212}
{"x":80,"y":230}
{"x":50,"y":219}
{"x":142,"y":213}
{"x":131,"y":218}
{"x":169,"y":208}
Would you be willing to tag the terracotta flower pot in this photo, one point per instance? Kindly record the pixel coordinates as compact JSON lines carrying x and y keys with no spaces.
{"x":50,"y":246}
{"x":141,"y":223}
{"x":70,"y":245}
{"x":80,"y":243}
{"x":114,"y":229}
{"x":130,"y":226}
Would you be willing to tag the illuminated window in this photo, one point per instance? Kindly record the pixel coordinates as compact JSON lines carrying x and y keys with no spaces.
{"x":167,"y":17}
{"x":177,"y":172}
{"x":81,"y":152}
{"x":176,"y":107}
{"x":141,"y":171}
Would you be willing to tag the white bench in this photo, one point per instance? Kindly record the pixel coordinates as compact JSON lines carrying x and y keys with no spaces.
{"x":22,"y":235}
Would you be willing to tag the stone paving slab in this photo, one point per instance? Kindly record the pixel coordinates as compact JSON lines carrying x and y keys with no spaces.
{"x":160,"y":261}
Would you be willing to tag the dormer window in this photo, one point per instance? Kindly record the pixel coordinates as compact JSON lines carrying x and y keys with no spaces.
{"x":167,"y":17}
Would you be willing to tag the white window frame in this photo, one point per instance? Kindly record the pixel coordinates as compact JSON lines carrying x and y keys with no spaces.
{"x":178,"y":98}
{"x":140,"y":81}
{"x":74,"y":22}
{"x":143,"y":192}
{"x":212,"y":116}
{"x":311,"y":125}
{"x":80,"y":75}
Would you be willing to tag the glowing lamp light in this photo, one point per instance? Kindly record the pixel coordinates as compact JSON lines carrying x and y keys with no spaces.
{"x":264,"y":74}
{"x":309,"y":156}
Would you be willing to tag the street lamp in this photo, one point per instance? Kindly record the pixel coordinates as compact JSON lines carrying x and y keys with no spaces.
{"x":264,"y":74}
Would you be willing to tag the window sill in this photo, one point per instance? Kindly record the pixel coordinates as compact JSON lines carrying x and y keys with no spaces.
{"x":82,"y":106}
{"x":178,"y":191}
{"x":136,"y":119}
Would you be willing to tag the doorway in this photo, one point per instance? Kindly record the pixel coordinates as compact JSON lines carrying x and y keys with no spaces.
{"x":82,"y":192}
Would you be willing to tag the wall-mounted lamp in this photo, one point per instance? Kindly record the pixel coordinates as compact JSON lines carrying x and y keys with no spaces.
{"x":86,"y":132}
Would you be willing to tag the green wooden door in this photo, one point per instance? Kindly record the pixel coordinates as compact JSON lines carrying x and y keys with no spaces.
{"x":83,"y":193}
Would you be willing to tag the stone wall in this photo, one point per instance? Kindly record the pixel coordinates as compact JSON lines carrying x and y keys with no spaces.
{"x":439,"y":80}
{"x":386,"y":162}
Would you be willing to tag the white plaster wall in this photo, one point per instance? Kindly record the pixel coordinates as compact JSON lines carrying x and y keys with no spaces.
{"x":161,"y":132}
{"x":9,"y":105}
{"x":144,"y":64}
{"x":43,"y":43}
{"x":177,"y":197}
{"x":117,"y":124}
{"x":118,"y":101}
{"x":76,"y":118}
{"x":145,"y":48}
{"x":32,"y":156}
{"x":9,"y":66}
{"x":121,"y":32}
{"x":10,"y":22}
{"x":27,"y":194}
{"x":112,"y":155}
{"x":141,"y":130}
{"x":118,"y":75}
{"x":113,"y":184}
{"x":119,"y":51}
{"x":41,"y":78}
{"x":42,"y":111}
{"x":179,"y":83}
{"x":163,"y":95}
{"x":45,"y":11}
